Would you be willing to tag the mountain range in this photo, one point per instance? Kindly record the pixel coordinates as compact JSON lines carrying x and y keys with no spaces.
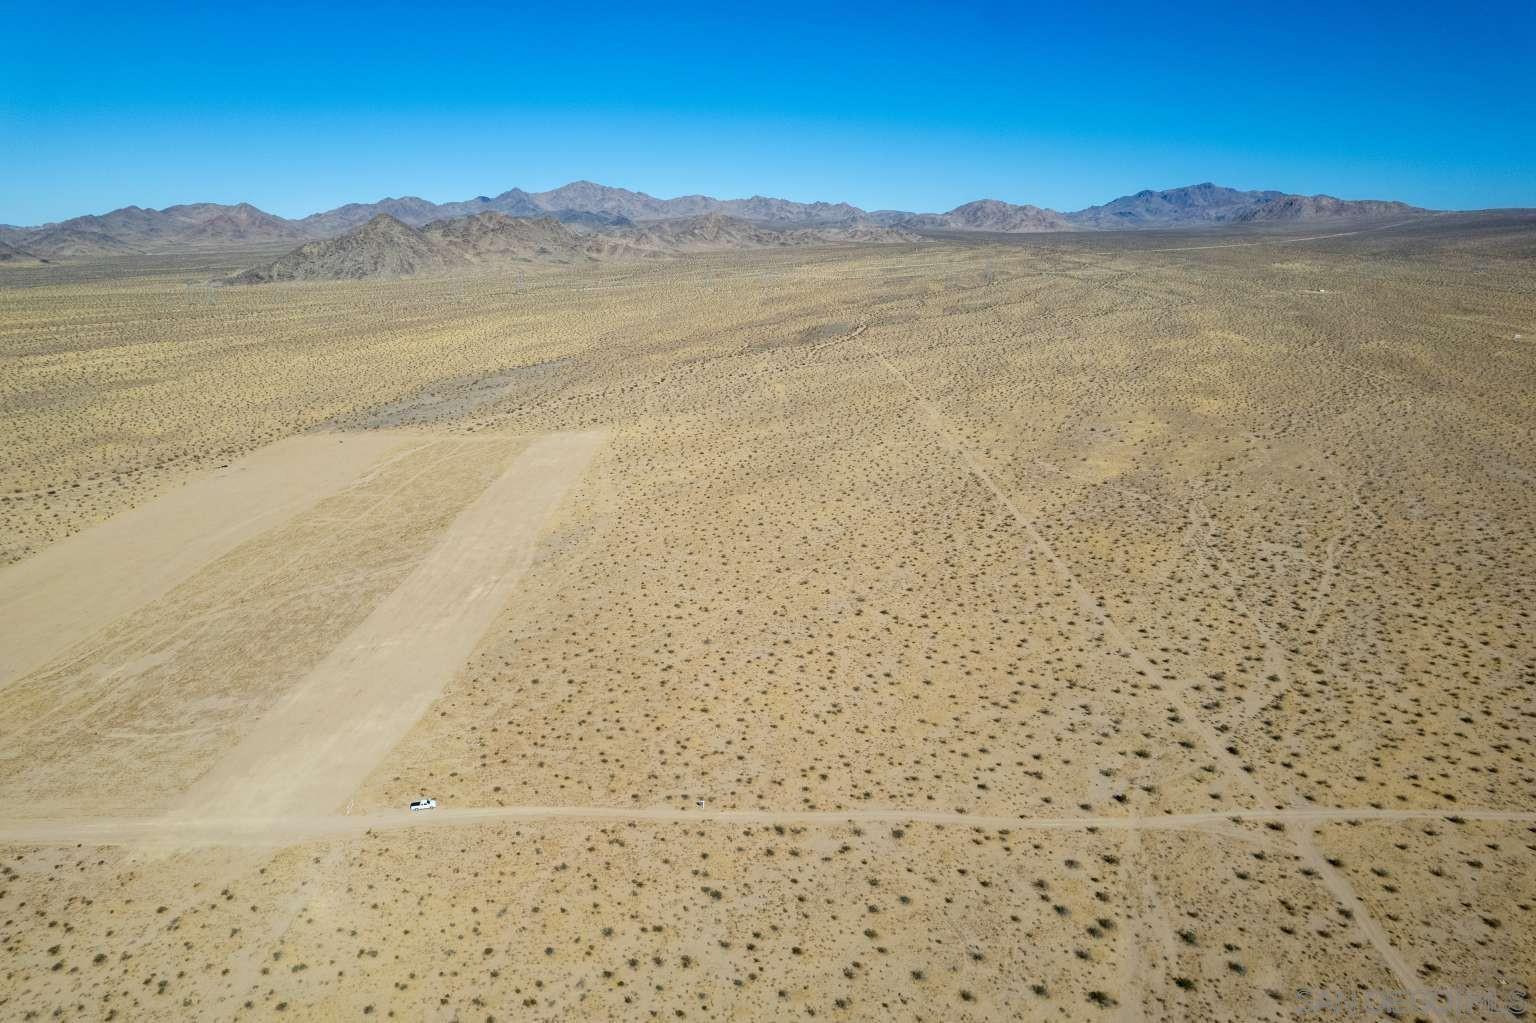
{"x":386,"y":246}
{"x":583,"y":207}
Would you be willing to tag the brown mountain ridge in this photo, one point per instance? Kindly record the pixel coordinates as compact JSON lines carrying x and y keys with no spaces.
{"x":586,"y":207}
{"x":388,"y":247}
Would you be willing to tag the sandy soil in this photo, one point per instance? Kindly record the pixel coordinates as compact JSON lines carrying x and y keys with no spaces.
{"x":132,"y":714}
{"x":72,"y":590}
{"x":1073,"y":628}
{"x":316,"y":746}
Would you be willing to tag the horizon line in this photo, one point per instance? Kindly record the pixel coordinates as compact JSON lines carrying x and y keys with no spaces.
{"x":758,"y":195}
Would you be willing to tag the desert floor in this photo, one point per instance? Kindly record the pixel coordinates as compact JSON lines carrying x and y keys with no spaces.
{"x":1062,"y":627}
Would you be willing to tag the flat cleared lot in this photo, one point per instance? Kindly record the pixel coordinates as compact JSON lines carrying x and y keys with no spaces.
{"x":291,"y":636}
{"x":310,"y":753}
{"x":69,"y":592}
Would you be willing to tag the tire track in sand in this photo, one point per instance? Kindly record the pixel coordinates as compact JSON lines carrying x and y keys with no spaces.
{"x":238,"y":832}
{"x":1224,"y":756}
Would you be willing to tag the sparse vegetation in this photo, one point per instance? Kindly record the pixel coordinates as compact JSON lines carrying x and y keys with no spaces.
{"x":976,"y":534}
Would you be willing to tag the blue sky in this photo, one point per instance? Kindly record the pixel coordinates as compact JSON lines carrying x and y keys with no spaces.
{"x":923,"y":107}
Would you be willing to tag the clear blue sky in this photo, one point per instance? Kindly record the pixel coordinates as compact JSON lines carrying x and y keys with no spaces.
{"x":300,"y":108}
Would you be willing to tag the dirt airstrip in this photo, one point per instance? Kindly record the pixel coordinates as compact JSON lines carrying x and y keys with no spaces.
{"x":1108,"y":627}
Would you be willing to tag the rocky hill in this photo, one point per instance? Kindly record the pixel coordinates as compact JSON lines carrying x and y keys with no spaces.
{"x":1207,"y":203}
{"x":383,"y":247}
{"x":989,"y":215}
{"x":496,"y":237}
{"x":408,"y":210}
{"x":66,"y":242}
{"x":135,"y":229}
{"x":714,"y":232}
{"x":231,"y":225}
{"x":11,"y":256}
{"x":1309,"y":208}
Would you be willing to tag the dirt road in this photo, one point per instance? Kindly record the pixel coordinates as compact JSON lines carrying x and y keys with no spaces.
{"x":189,"y":832}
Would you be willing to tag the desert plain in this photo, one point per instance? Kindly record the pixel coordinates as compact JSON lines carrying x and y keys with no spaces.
{"x":1069,"y":627}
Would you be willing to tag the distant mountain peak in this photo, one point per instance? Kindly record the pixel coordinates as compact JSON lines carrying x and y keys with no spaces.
{"x":987,"y":215}
{"x":1210,"y":203}
{"x":384,"y":222}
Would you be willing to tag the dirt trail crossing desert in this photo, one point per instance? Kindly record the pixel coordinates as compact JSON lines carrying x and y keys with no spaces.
{"x":313,"y":750}
{"x":188,"y":832}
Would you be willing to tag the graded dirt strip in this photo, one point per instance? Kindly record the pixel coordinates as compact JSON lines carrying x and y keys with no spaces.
{"x":75,"y":588}
{"x":313,"y":750}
